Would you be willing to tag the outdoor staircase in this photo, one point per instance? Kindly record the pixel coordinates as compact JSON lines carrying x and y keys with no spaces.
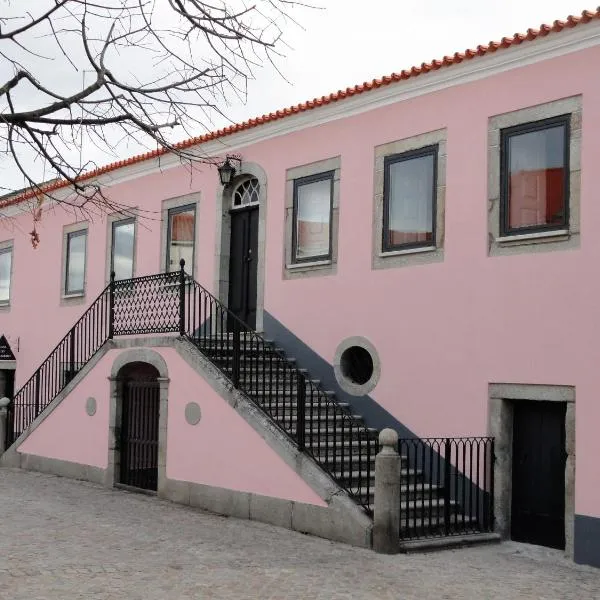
{"x":323,"y":427}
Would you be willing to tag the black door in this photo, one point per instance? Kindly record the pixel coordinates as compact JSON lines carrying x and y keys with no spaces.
{"x":139,"y":434}
{"x":243,"y":263}
{"x":539,"y":456}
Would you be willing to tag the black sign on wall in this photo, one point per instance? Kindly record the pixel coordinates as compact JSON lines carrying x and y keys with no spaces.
{"x":5,"y":352}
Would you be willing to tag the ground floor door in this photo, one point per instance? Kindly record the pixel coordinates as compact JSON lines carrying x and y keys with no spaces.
{"x":243,"y":263}
{"x":139,"y":434}
{"x":538,"y":481}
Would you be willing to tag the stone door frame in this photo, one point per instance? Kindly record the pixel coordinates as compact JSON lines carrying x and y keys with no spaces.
{"x":151,"y":357}
{"x":502,"y":398}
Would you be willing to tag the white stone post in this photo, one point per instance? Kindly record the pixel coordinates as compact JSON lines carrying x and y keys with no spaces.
{"x":4,"y":402}
{"x":386,"y":525}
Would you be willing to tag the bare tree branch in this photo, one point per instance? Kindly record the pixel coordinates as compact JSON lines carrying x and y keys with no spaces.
{"x":155,"y":66}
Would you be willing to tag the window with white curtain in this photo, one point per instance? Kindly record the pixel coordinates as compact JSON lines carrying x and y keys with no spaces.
{"x":123,"y":237}
{"x":75,"y":267}
{"x":409,"y":199}
{"x":312,"y":217}
{"x":5,"y":270}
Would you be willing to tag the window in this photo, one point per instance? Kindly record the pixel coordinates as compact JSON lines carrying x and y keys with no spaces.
{"x":123,"y":237}
{"x":313,"y":199}
{"x":312,"y":216}
{"x":75,"y":262}
{"x":5,"y":273}
{"x":409,"y":199}
{"x":181,"y":229}
{"x":535,"y":177}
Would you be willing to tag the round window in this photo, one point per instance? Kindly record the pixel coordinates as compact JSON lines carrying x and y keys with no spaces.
{"x":357,"y":365}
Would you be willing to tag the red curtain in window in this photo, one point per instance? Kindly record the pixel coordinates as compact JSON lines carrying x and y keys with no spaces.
{"x":537,"y":197}
{"x":182,"y":227}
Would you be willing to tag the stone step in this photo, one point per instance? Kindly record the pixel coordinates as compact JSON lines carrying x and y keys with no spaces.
{"x":451,"y":541}
{"x":436,"y":525}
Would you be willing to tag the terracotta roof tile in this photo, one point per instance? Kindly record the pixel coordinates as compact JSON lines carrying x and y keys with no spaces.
{"x":458,"y":57}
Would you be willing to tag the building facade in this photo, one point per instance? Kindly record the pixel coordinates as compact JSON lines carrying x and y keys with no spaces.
{"x":424,"y":245}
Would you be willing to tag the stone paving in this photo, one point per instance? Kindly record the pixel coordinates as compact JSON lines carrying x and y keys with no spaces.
{"x":64,"y":540}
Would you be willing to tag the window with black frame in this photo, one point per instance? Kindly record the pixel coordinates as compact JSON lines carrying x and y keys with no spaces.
{"x":181,"y":232}
{"x":409,"y":196}
{"x":312,"y":217}
{"x":123,"y":237}
{"x":75,"y":266}
{"x":534,"y":186}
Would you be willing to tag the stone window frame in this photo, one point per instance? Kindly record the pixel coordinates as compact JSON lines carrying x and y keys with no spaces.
{"x":67,"y":299}
{"x":501,"y":400}
{"x":328,"y":266}
{"x":8,"y":246}
{"x":540,"y":241}
{"x":178,"y":202}
{"x":110,"y":222}
{"x":434,"y":253}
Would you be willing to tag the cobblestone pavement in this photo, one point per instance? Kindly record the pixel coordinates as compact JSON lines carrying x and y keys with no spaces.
{"x":62,"y":540}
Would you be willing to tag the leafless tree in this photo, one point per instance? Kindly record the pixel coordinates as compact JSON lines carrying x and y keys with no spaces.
{"x":79,"y":71}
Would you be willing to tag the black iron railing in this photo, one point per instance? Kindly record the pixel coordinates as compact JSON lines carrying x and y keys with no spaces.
{"x":447,"y":488}
{"x":72,"y":352}
{"x":307,"y":413}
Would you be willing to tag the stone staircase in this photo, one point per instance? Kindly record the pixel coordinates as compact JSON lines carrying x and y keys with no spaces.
{"x":344,"y":447}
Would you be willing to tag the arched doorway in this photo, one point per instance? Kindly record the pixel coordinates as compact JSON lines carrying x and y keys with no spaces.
{"x":139,"y":401}
{"x":243,"y":251}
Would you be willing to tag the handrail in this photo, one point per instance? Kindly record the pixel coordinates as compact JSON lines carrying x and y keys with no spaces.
{"x":75,"y":349}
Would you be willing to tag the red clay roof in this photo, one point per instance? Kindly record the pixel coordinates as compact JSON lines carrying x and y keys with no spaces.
{"x":458,"y":57}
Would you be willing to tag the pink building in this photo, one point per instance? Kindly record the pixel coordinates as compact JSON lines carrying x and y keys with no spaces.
{"x":417,"y":252}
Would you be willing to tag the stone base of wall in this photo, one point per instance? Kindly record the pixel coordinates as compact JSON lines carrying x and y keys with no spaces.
{"x":587,"y":540}
{"x":53,"y":466}
{"x":337,"y":521}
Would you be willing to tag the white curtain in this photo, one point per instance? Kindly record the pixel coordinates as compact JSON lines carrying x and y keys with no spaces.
{"x":312,"y":219}
{"x":410,"y":216}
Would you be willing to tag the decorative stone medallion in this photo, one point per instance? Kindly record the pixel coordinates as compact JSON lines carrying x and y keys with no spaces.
{"x":91,"y":406}
{"x":192,"y":413}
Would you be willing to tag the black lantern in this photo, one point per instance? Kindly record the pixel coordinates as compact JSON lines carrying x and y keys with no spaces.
{"x":226,"y":172}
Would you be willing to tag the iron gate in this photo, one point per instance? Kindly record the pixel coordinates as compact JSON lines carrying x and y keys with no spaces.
{"x":139,"y":434}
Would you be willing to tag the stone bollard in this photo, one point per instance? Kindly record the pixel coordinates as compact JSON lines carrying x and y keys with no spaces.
{"x":4,"y":402}
{"x":386,"y":525}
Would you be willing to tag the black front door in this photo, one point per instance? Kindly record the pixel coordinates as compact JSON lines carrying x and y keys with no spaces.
{"x":139,"y":434}
{"x":538,"y":481}
{"x":243,"y":262}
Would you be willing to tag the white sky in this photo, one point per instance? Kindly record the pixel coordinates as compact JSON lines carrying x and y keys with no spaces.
{"x":348,"y":42}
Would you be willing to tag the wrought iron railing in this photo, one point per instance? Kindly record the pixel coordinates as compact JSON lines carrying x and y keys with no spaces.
{"x":456,"y":469}
{"x":448,"y":488}
{"x":324,"y":429}
{"x":72,"y":352}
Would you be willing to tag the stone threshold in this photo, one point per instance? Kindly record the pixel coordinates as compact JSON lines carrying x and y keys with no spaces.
{"x":451,"y":541}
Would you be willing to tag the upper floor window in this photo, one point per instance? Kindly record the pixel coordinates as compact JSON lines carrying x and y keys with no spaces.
{"x":181,"y":233}
{"x":123,"y":236}
{"x":5,"y":273}
{"x":534,"y":181}
{"x":75,"y":262}
{"x":409,"y":197}
{"x":312,"y":217}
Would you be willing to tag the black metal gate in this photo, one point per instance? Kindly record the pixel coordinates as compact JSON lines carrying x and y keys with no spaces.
{"x":538,"y":486}
{"x":139,"y":434}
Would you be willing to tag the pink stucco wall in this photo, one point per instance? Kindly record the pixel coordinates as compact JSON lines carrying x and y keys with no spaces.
{"x":443,"y":331}
{"x":222,"y":450}
{"x":69,"y":433}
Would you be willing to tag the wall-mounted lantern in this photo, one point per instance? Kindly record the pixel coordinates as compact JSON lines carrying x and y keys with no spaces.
{"x":227,"y":170}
